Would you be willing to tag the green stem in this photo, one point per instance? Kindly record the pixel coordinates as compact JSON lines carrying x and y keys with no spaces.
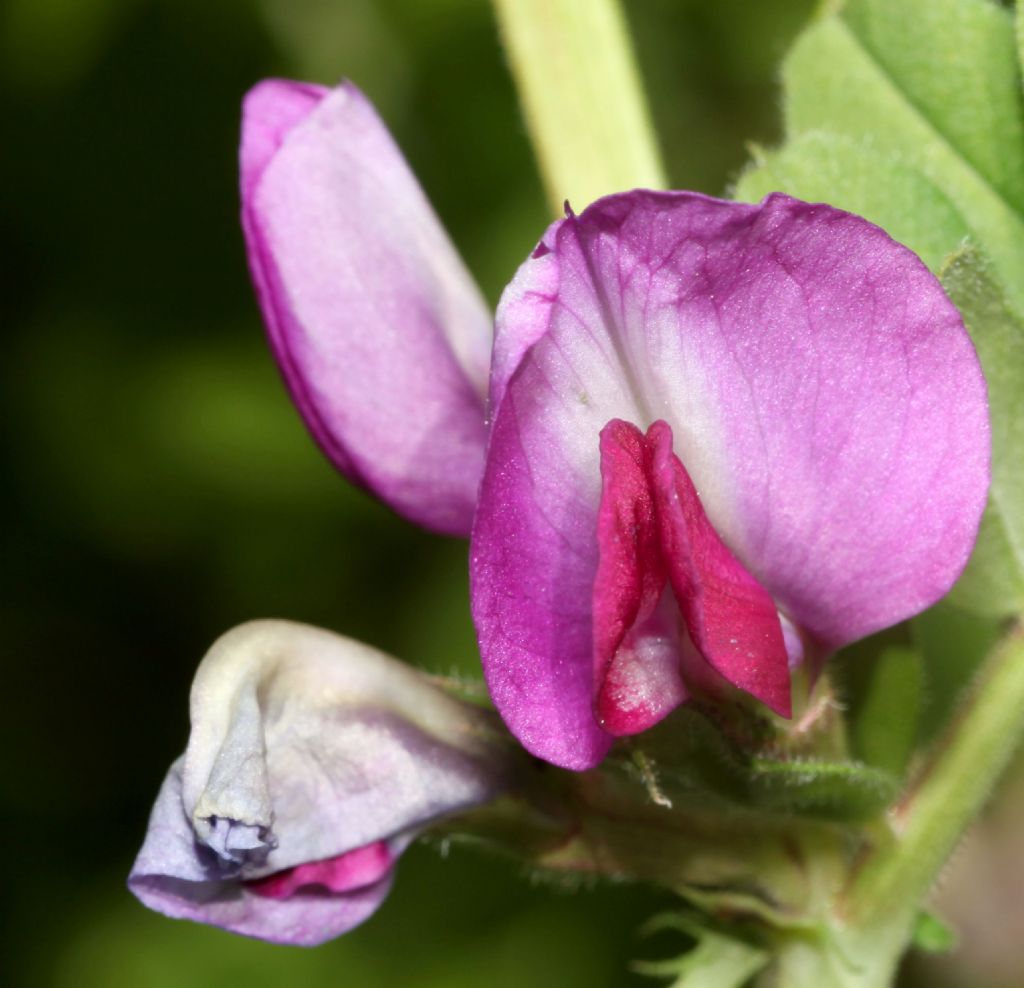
{"x":873,"y":919}
{"x":582,"y":97}
{"x":950,"y":791}
{"x":835,"y":959}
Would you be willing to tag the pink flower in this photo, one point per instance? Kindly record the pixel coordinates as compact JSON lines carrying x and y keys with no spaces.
{"x":722,"y":437}
{"x":721,"y":434}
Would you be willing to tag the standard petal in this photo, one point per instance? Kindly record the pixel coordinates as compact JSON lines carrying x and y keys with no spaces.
{"x":312,"y":762}
{"x":381,"y":335}
{"x":523,"y":314}
{"x":823,"y":395}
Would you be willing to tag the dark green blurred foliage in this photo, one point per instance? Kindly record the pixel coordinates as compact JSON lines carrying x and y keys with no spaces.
{"x":159,"y":488}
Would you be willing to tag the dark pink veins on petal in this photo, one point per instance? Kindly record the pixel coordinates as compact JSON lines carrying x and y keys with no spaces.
{"x":344,"y":873}
{"x":670,"y":601}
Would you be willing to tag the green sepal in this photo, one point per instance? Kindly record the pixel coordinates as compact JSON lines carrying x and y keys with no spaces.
{"x":715,"y":961}
{"x":690,"y":759}
{"x":845,"y":791}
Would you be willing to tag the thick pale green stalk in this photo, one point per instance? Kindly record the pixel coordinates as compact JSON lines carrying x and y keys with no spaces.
{"x":862,"y":944}
{"x":581,"y":93}
{"x":952,"y":789}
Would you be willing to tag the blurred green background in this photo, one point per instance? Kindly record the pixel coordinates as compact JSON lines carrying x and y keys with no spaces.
{"x":159,"y":488}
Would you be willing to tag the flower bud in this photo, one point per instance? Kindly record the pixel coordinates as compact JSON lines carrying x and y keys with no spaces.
{"x":312,"y":763}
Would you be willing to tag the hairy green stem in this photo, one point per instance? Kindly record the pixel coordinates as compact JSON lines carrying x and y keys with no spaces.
{"x":582,"y":97}
{"x":872,"y":919}
{"x":951,"y":789}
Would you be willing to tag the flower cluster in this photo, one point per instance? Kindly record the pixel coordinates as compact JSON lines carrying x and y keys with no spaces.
{"x":709,"y":442}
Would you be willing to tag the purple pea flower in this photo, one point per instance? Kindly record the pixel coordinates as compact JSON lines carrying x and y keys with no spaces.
{"x":312,"y":763}
{"x":724,"y":438}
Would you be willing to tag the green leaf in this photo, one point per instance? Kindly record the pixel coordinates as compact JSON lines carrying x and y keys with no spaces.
{"x":887,"y":723}
{"x":932,"y":934}
{"x":716,"y":961}
{"x":935,"y":85}
{"x":993,"y":583}
{"x":857,"y":176}
{"x":1019,"y":24}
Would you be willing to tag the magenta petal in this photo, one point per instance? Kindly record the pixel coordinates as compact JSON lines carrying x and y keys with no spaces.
{"x":532,"y":573}
{"x":630,"y":575}
{"x":730,"y":617}
{"x":272,"y":109}
{"x":636,"y":651}
{"x":381,"y":335}
{"x":346,"y":872}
